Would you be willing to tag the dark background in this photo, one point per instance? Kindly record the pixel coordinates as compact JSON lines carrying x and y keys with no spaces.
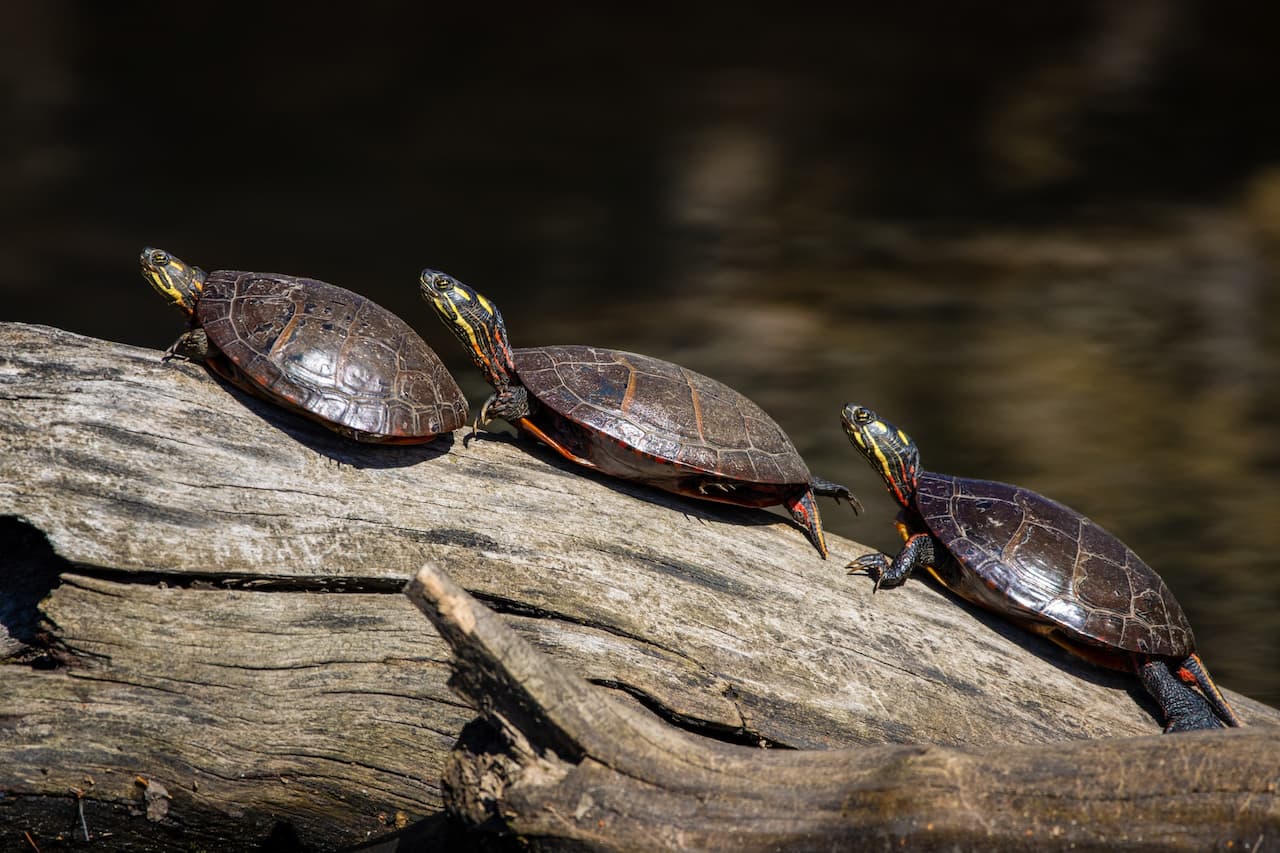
{"x":1043,"y":237}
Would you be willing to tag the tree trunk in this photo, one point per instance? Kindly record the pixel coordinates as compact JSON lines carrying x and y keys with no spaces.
{"x":202,"y":590}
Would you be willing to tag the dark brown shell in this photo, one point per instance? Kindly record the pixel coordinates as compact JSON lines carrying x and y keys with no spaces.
{"x":1041,"y":559}
{"x":671,"y":415}
{"x":331,"y":354}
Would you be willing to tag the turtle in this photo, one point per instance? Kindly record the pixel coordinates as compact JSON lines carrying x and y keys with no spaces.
{"x":1044,"y":566}
{"x":633,"y":416}
{"x":314,"y":348}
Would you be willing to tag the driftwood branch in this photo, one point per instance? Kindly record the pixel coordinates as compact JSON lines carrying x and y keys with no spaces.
{"x":566,"y":768}
{"x":202,"y":591}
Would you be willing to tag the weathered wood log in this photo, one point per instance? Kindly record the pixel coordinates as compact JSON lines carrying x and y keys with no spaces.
{"x":202,"y":590}
{"x":565,"y":769}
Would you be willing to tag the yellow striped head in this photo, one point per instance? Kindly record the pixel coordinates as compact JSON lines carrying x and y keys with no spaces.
{"x":176,"y":281}
{"x":476,"y":321}
{"x":889,"y":450}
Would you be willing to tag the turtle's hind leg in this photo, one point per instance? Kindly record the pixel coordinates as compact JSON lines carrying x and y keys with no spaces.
{"x":828,"y":489}
{"x":1184,"y":709}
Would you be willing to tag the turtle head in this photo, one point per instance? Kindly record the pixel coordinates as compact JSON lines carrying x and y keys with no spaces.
{"x":475,"y":321}
{"x":889,"y":450}
{"x":173,"y":279}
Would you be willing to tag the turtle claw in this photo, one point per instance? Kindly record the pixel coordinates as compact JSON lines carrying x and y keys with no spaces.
{"x":851,"y":499}
{"x":873,"y":564}
{"x":172,"y":352}
{"x":191,"y":345}
{"x":836,"y":492}
{"x":482,"y":419}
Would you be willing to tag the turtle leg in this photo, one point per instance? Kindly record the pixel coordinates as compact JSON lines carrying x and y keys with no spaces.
{"x":917,"y":551}
{"x":1184,"y":709}
{"x":192,"y":344}
{"x":1193,"y":671}
{"x":804,"y":509}
{"x":512,"y":404}
{"x":828,"y":489}
{"x":509,"y":402}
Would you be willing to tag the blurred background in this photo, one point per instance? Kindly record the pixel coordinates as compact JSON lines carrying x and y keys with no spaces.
{"x":1043,"y":237}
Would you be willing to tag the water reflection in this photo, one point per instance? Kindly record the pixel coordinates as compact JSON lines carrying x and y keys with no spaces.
{"x":1054,"y":263}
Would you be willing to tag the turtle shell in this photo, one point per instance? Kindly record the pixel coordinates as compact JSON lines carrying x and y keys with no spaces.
{"x":1047,"y":563}
{"x":666,"y":415}
{"x":331,"y":354}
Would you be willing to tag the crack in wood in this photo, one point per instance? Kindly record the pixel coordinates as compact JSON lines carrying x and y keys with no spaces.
{"x":511,"y":607}
{"x":741,"y":736}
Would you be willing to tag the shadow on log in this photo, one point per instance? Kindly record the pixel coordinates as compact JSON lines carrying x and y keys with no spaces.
{"x":202,"y":591}
{"x":563,"y":768}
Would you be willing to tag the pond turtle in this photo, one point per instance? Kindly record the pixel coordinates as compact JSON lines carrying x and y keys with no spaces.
{"x":319,"y":350}
{"x":1044,"y":566}
{"x":634,"y":417}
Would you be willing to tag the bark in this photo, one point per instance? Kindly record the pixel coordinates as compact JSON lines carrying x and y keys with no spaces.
{"x":202,"y":590}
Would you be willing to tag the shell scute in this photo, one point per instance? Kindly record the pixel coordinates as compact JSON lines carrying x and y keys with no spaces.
{"x":1051,"y":562}
{"x":676,"y":417}
{"x":331,"y":354}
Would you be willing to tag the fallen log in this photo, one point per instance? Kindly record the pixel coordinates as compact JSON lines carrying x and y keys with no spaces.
{"x":562,"y":768}
{"x":202,"y":591}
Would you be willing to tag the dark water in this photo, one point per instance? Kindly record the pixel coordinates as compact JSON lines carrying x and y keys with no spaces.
{"x":1045,"y":240}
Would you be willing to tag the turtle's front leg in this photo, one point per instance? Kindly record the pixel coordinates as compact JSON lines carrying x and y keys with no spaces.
{"x":917,"y":551}
{"x":192,"y":345}
{"x":513,"y":405}
{"x":509,"y":402}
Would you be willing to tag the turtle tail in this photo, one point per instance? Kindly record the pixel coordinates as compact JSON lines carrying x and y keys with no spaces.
{"x":1192,"y":671}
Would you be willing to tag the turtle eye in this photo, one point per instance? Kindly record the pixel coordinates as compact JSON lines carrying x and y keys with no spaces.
{"x":863,"y":416}
{"x":438,"y":282}
{"x":160,"y":258}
